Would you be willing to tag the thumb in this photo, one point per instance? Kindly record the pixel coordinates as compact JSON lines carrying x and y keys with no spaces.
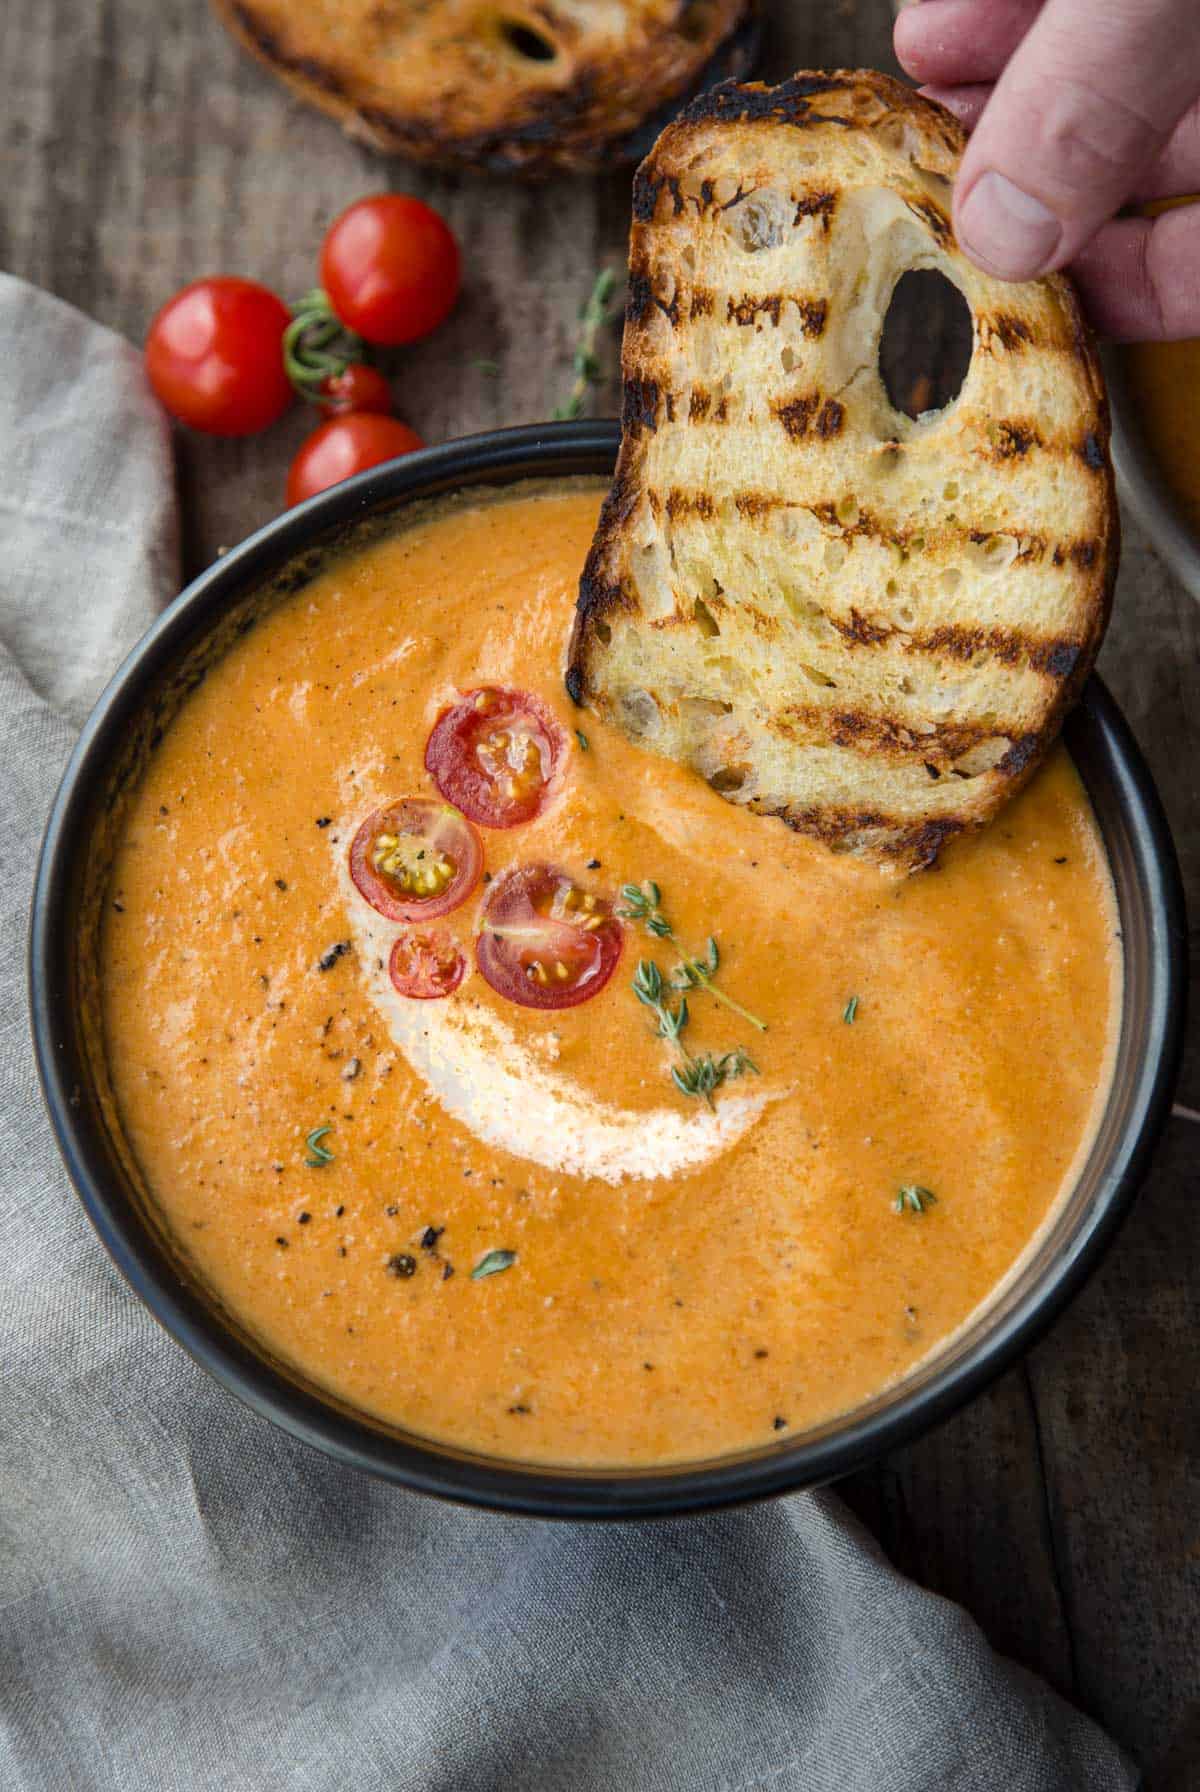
{"x":1089,"y":97}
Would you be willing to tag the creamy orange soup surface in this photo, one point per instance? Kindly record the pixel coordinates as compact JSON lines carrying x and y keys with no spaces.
{"x":677,"y":1280}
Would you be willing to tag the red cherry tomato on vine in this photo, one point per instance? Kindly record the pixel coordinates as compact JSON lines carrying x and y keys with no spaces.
{"x":357,"y":388}
{"x":214,"y":356}
{"x":346,"y":445}
{"x":391,"y":268}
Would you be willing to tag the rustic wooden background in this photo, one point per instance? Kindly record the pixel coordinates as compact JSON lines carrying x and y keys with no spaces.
{"x":140,"y":150}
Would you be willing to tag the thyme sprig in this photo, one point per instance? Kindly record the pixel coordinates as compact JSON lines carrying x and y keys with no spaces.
{"x":705,"y":1074}
{"x":699,"y":1076}
{"x":643,"y":902}
{"x":585,"y":362}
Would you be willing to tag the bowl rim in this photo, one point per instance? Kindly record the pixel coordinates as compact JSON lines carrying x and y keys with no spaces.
{"x":501,"y":457}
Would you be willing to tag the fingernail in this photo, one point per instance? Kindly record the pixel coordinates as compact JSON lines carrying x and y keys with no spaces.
{"x":1006,"y":231}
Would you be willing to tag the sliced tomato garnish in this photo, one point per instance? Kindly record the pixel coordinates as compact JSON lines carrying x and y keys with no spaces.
{"x":415,"y":859}
{"x":544,"y":941}
{"x":494,"y":755}
{"x":426,"y":964}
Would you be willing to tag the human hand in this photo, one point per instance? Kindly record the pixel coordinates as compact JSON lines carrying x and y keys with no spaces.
{"x":1075,"y":109}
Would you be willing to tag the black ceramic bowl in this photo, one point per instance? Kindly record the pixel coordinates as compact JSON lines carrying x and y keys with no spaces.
{"x":123,"y":728}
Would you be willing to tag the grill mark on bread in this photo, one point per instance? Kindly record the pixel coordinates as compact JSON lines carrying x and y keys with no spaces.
{"x":817,"y":204}
{"x":647,"y":187}
{"x":860,"y":630}
{"x":1010,"y":440}
{"x":744,"y":311}
{"x":809,"y":411}
{"x":887,"y":737}
{"x":755,"y":504}
{"x":701,"y":302}
{"x":679,"y":503}
{"x":1054,"y":656}
{"x":642,"y":297}
{"x":934,"y":217}
{"x":915,"y":843}
{"x":639,"y":404}
{"x":812,"y":312}
{"x":789,"y":102}
{"x":1014,"y":334}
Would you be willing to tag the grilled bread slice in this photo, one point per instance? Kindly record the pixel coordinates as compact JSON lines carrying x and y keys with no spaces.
{"x":868,"y":624}
{"x":525,"y":87}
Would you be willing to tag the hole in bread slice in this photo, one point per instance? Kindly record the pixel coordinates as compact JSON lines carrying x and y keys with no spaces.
{"x":926,"y":345}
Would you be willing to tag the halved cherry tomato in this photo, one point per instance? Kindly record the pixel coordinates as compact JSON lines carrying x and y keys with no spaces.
{"x":494,"y":755}
{"x":344,"y":446}
{"x":415,"y":859}
{"x":426,"y":965}
{"x":357,"y":388}
{"x":214,"y":355}
{"x":544,"y":942}
{"x":391,"y":267}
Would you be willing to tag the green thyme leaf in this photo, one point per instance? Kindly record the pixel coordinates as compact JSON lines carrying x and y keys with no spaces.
{"x":912,"y":1198}
{"x":318,"y":1154}
{"x":647,"y":982}
{"x":850,"y":1010}
{"x":582,"y":738}
{"x":492,"y":1264}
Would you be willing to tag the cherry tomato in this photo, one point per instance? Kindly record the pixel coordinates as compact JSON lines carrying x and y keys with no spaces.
{"x":214,"y":355}
{"x":391,"y":268}
{"x":357,"y":388}
{"x":346,"y":445}
{"x":415,"y":859}
{"x":426,"y":965}
{"x":543,"y":941}
{"x":495,"y":755}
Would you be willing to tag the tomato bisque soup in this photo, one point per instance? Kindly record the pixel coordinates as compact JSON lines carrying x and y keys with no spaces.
{"x":523,"y":1093}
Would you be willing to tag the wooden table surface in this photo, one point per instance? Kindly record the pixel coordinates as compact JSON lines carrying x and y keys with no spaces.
{"x":141,"y":150}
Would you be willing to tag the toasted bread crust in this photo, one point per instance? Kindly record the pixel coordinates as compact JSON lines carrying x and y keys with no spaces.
{"x":452,"y":82}
{"x":868,"y":625}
